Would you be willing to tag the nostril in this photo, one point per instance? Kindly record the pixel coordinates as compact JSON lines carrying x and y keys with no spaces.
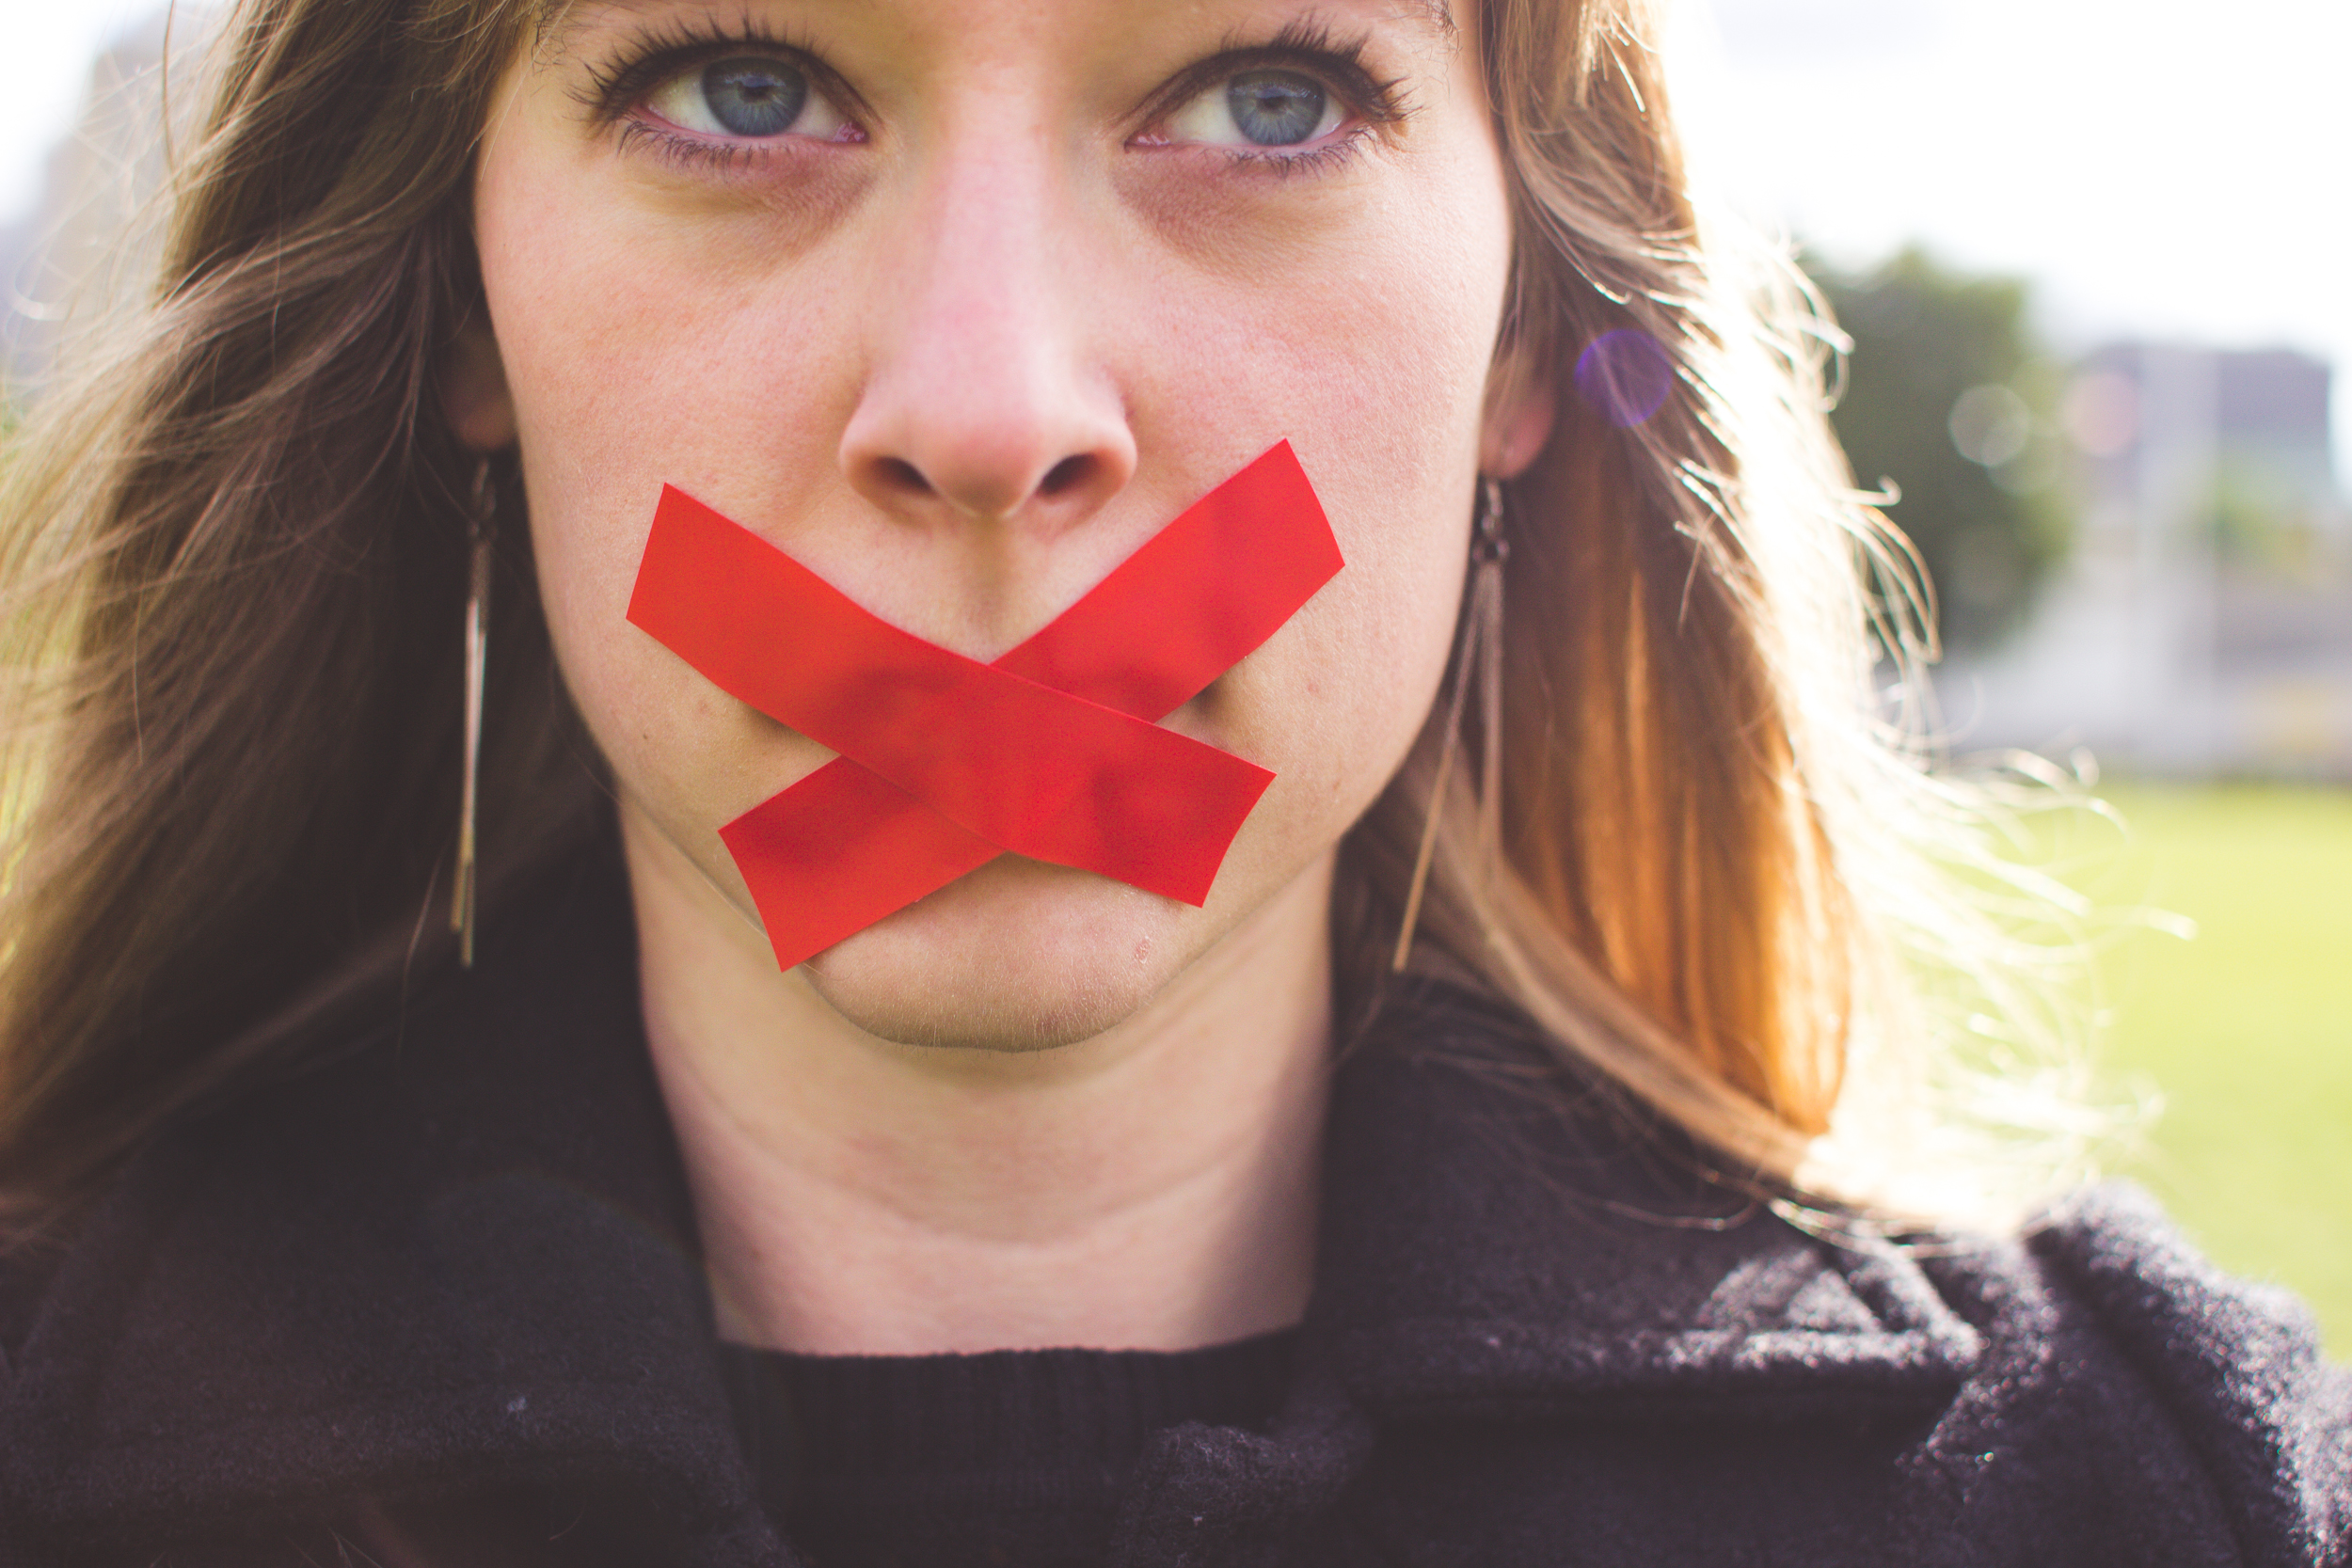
{"x":898,"y":474}
{"x":1066,"y":475}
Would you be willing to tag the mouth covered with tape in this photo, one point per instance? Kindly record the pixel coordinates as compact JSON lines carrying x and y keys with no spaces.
{"x":1054,"y":750}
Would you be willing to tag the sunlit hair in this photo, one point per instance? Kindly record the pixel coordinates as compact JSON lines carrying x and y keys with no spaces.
{"x":234,"y":563}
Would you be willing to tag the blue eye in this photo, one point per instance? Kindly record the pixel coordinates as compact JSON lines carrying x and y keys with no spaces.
{"x":755,"y":98}
{"x":1259,"y":108}
{"x":752,"y":97}
{"x":1275,"y":108}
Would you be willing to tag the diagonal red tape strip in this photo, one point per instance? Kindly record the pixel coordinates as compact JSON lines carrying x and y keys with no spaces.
{"x":1022,"y":765}
{"x":947,"y":761}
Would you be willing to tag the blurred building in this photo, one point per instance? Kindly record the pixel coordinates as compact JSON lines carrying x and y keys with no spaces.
{"x":2204,"y":625}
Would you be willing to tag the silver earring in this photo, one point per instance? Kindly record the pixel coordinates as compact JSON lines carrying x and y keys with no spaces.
{"x":481,"y":530}
{"x":1480,"y":647}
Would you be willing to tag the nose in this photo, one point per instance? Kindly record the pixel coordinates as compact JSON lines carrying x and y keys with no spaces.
{"x":985,"y":397}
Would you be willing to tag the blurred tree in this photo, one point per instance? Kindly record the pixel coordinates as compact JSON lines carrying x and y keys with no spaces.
{"x":1950,"y":398}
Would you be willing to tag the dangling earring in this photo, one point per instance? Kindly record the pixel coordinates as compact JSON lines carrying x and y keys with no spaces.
{"x":1480,"y":647}
{"x":481,"y":530}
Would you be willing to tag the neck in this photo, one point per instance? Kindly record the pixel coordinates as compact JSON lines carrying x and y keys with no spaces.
{"x":1153,"y":1187}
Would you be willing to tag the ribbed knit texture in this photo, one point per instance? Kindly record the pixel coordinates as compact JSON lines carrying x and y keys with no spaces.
{"x":1010,"y":1457}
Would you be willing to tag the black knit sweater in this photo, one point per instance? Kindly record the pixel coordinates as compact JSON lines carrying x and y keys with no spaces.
{"x":1013,"y":1458}
{"x":439,"y":1302}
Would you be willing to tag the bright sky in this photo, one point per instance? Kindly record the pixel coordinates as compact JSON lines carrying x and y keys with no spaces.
{"x":53,"y":42}
{"x":2159,"y":166}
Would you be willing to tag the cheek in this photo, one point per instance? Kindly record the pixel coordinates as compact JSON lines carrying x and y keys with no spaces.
{"x":636,"y":358}
{"x":1333,"y":706}
{"x":1375,"y":366}
{"x":634,"y":363}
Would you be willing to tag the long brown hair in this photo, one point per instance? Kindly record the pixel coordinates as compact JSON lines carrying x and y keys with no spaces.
{"x":234,"y":570}
{"x":235,"y":563}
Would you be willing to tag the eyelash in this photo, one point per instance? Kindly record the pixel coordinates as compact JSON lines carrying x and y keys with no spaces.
{"x":654,"y":55}
{"x":657,"y":53}
{"x":1311,"y":48}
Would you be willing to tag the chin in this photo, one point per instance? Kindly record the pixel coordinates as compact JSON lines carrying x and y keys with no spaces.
{"x":1016,"y":956}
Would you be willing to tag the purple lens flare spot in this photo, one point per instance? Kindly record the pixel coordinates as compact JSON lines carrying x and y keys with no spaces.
{"x":1625,"y":374}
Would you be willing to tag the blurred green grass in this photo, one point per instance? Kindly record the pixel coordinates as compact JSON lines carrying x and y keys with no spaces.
{"x":2244,"y":1030}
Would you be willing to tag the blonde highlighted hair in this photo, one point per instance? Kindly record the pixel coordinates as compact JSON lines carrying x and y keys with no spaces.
{"x":1710,"y":865}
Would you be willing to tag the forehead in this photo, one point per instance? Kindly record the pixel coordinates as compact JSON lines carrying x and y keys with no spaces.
{"x":555,"y":19}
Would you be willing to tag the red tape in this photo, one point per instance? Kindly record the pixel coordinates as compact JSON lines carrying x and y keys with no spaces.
{"x":1051,"y":751}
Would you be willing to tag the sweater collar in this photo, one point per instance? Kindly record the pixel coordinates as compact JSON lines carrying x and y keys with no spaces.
{"x":1508,"y":1238}
{"x":465,"y":1248}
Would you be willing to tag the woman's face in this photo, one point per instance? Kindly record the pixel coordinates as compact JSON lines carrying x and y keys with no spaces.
{"x":958,"y":302}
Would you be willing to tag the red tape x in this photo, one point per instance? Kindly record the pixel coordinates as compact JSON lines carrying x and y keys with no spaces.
{"x":1052,"y":751}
